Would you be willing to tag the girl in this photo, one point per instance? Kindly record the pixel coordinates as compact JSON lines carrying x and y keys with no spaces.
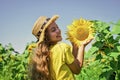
{"x":52,"y":59}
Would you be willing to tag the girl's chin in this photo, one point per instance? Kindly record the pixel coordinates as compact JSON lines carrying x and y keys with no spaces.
{"x":60,"y":39}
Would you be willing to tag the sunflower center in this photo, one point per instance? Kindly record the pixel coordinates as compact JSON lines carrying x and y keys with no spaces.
{"x":82,"y":34}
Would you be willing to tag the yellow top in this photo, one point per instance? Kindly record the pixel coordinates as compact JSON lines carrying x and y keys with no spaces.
{"x":60,"y":56}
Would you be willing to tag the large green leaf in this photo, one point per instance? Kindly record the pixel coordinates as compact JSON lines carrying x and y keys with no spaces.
{"x":114,"y":54}
{"x":116,"y":28}
{"x":93,"y":50}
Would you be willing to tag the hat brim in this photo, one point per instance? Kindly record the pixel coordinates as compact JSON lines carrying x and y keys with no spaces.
{"x":42,"y":35}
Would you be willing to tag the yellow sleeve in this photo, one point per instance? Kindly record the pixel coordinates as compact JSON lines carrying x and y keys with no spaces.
{"x":69,"y":58}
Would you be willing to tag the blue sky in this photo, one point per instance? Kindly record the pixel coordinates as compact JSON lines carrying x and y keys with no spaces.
{"x":18,"y":16}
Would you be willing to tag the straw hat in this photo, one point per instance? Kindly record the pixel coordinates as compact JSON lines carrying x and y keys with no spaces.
{"x":41,"y":25}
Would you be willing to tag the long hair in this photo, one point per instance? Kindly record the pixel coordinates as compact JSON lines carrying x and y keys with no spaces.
{"x":40,"y":61}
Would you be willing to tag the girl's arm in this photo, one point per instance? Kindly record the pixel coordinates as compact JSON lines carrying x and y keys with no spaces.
{"x":78,"y":53}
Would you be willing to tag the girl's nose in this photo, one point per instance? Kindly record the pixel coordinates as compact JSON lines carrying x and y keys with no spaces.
{"x":58,"y":30}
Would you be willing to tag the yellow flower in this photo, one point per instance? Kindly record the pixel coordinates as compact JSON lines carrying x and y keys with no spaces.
{"x":79,"y":31}
{"x":31,"y":46}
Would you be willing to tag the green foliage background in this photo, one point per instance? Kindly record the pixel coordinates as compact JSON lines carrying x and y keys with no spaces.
{"x":102,"y":61}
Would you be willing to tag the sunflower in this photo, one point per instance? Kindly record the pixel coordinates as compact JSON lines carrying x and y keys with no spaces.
{"x":31,"y":47}
{"x":79,"y":31}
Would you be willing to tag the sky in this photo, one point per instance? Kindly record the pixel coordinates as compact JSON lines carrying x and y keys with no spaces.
{"x":17,"y":17}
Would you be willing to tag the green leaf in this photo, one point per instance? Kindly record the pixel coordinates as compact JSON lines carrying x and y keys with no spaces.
{"x":107,"y":74}
{"x":93,"y":50}
{"x":116,"y":28}
{"x":99,"y":56}
{"x":113,"y":64}
{"x":105,"y":26}
{"x":114,"y":54}
{"x":98,"y":44}
{"x":118,"y":38}
{"x":118,"y":48}
{"x":118,"y":58}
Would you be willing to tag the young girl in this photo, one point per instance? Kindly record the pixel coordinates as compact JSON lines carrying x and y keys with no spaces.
{"x":52,"y":59}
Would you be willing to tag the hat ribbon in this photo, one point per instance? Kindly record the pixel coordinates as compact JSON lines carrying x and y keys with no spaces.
{"x":45,"y":22}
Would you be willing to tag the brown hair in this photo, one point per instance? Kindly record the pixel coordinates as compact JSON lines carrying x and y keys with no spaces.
{"x":40,"y":61}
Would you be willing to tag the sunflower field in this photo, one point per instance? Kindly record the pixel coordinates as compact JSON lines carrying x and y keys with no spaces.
{"x":102,"y":60}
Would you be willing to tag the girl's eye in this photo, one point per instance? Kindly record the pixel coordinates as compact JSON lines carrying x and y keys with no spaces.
{"x":53,"y":29}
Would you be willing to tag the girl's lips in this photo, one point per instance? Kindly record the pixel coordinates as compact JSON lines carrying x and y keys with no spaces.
{"x":58,"y":36}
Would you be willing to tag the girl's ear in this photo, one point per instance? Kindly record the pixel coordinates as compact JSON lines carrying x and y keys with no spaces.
{"x":47,"y":37}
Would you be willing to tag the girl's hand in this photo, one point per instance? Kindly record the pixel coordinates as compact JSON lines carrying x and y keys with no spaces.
{"x":86,"y":42}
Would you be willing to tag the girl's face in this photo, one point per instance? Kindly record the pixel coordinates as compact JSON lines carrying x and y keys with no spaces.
{"x":54,"y":33}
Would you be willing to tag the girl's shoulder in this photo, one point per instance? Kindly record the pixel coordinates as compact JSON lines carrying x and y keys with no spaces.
{"x":62,"y":44}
